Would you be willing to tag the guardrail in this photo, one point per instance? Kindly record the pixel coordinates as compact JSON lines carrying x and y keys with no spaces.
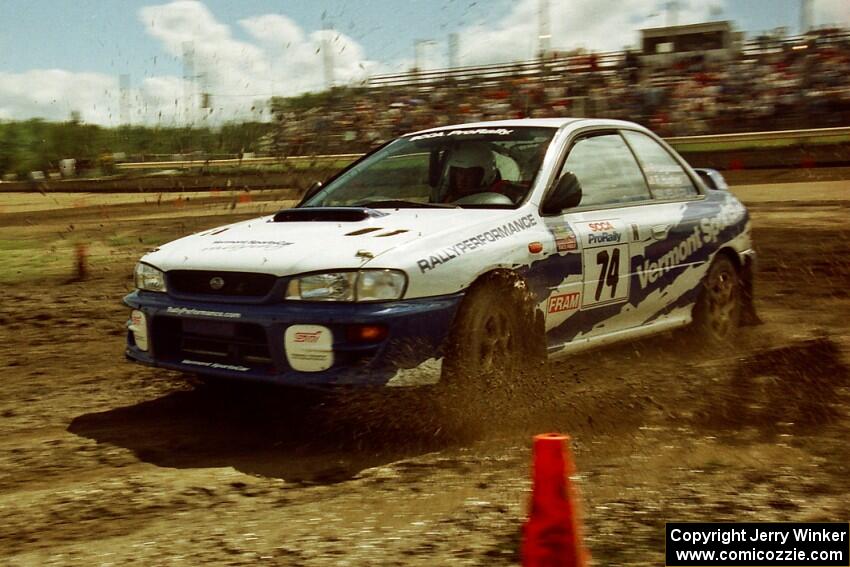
{"x":199,"y":163}
{"x":821,"y":136}
{"x":817,"y":135}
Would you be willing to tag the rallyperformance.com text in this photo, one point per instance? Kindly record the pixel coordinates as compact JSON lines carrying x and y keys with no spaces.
{"x":762,"y":544}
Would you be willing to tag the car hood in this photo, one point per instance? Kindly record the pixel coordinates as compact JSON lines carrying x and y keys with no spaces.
{"x":292,"y":246}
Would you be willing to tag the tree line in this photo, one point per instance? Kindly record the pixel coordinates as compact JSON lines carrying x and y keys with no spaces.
{"x":38,"y":145}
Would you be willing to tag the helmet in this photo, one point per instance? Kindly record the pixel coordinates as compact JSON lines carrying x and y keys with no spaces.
{"x":475,"y":154}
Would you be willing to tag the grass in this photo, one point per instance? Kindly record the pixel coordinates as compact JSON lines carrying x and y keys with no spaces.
{"x":53,"y":255}
{"x":8,"y":245}
{"x":116,"y":235}
{"x":33,"y":261}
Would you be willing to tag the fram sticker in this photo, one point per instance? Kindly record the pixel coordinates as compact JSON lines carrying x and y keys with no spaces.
{"x":564,"y":302}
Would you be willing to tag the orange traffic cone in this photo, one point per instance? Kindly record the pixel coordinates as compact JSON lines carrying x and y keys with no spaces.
{"x":81,"y":255}
{"x":551,"y":537}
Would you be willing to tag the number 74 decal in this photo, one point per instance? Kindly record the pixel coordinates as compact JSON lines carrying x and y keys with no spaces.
{"x":606,"y":275}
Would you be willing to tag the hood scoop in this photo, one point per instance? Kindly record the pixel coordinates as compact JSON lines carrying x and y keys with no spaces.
{"x":327,"y":214}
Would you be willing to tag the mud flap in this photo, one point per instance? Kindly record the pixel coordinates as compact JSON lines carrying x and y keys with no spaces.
{"x":749,"y":317}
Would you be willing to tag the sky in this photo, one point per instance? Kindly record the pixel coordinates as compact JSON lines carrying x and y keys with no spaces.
{"x":64,"y":56}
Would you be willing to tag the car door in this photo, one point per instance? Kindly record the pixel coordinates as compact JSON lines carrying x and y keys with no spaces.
{"x":612,"y":224}
{"x":670,"y":264}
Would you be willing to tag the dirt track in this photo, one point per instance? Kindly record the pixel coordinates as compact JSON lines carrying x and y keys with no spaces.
{"x":103,"y":462}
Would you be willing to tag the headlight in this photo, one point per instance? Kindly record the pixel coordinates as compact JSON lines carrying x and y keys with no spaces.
{"x":149,"y":278}
{"x":364,"y":285}
{"x":323,"y":287}
{"x":380,"y":285}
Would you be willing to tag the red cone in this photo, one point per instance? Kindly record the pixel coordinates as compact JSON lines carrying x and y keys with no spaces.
{"x":551,"y":537}
{"x":81,"y":255}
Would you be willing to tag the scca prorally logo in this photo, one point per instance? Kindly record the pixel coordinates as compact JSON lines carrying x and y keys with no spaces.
{"x":601,"y":233}
{"x":305,"y":337}
{"x":600,"y":226}
{"x":217,"y":283}
{"x":604,"y":238}
{"x":564,"y":302}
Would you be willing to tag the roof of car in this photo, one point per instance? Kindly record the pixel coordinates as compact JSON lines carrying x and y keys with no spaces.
{"x":531,"y":122}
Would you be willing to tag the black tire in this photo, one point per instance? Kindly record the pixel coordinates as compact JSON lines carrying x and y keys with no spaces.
{"x":496,"y":339}
{"x":717,"y":313}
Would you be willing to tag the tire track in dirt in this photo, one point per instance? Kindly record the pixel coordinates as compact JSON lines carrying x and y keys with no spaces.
{"x":102,"y":461}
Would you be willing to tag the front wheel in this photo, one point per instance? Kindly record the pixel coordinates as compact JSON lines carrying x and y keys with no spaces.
{"x":495,"y":340}
{"x":717,"y":313}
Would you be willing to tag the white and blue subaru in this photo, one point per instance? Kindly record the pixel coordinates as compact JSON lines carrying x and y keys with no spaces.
{"x":473,"y":248}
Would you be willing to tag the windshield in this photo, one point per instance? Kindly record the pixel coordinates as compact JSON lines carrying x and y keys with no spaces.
{"x":471,"y":167}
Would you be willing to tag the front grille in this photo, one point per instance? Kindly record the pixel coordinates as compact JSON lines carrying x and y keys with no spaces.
{"x":224,"y":342}
{"x":205,"y":282}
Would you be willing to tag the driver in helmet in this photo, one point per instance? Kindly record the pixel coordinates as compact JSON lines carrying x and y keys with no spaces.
{"x":471,"y":169}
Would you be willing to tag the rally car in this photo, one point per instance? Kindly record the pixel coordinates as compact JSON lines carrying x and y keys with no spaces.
{"x":458,"y":250}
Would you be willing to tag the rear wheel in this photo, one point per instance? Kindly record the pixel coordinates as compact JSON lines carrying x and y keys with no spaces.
{"x":717,"y":313}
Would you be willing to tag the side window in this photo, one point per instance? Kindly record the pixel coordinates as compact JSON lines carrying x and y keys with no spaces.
{"x":606,"y":170}
{"x":665,"y":176}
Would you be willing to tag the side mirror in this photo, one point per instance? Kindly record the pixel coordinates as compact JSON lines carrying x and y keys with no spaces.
{"x":566,"y":194}
{"x":314,"y":188}
{"x":712,"y":179}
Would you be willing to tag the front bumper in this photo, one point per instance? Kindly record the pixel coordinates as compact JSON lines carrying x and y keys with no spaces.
{"x":250,"y":341}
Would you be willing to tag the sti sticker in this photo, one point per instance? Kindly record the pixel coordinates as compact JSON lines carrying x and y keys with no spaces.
{"x":309,"y":348}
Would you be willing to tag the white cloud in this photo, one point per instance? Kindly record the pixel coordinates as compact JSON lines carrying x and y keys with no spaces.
{"x":832,"y":12}
{"x":53,"y":94}
{"x":278,"y":57}
{"x":600,"y":25}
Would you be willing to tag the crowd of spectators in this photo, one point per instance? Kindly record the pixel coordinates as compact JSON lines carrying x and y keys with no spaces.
{"x":785,"y":85}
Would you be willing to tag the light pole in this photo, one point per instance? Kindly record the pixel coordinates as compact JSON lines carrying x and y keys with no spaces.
{"x":544,"y":37}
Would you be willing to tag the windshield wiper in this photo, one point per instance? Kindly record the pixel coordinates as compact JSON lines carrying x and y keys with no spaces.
{"x":402,"y":204}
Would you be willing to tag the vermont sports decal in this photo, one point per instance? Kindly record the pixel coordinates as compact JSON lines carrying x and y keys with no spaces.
{"x":703,"y":227}
{"x":674,"y":253}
